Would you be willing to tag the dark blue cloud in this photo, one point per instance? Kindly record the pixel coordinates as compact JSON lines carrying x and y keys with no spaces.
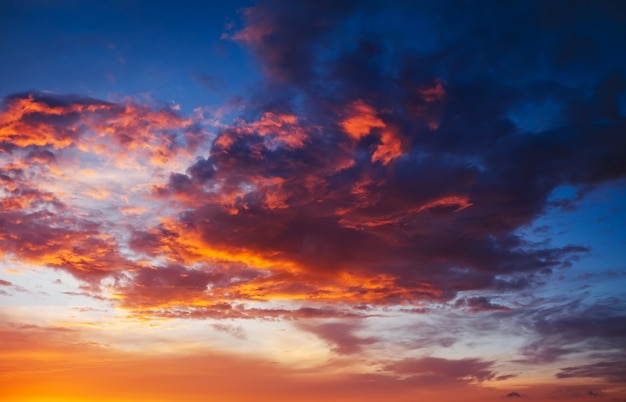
{"x":478,"y":157}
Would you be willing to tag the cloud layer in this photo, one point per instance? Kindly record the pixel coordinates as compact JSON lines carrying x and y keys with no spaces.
{"x":406,"y":179}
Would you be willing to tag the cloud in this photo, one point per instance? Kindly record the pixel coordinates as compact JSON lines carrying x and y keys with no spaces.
{"x":54,"y":145}
{"x":42,"y":120}
{"x":9,"y":285}
{"x":77,"y":246}
{"x":394,"y":176}
{"x":237,"y":332}
{"x":514,"y":394}
{"x":612,"y":371}
{"x":572,"y":328}
{"x":505,"y":377}
{"x":480,"y":303}
{"x":361,"y":121}
{"x":340,"y":335}
{"x":439,"y":370}
{"x":286,"y":37}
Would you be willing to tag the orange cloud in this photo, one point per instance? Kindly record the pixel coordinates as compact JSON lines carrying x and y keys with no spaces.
{"x":47,"y":120}
{"x":59,"y":162}
{"x":362,"y":120}
{"x":27,"y":121}
{"x":280,"y":129}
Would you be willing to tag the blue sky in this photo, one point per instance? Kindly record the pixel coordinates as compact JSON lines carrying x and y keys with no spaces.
{"x":174,"y":53}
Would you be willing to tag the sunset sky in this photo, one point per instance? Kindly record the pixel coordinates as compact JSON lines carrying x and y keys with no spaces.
{"x":312,"y":200}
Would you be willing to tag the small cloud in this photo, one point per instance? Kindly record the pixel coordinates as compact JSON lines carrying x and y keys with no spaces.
{"x":505,"y":377}
{"x":235,"y":331}
{"x":340,"y":335}
{"x":440,"y":370}
{"x":514,"y":394}
{"x":478,"y":304}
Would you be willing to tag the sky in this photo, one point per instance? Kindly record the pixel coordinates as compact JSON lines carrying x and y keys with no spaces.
{"x":345,"y":201}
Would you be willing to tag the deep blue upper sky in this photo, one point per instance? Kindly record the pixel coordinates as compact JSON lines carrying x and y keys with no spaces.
{"x":171,"y":50}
